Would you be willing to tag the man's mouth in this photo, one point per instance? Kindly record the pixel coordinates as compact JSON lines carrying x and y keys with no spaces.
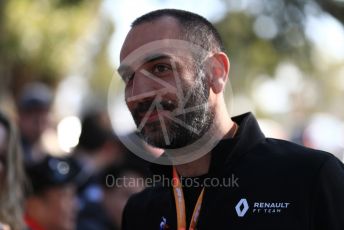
{"x":145,"y":113}
{"x":153,"y":116}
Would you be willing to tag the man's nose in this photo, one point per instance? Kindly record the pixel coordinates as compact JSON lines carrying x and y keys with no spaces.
{"x":144,"y":85}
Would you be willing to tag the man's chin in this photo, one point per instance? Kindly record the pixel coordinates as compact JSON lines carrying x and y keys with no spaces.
{"x":155,"y":138}
{"x":159,"y":140}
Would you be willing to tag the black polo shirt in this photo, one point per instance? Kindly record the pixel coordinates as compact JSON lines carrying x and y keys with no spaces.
{"x":279,"y":185}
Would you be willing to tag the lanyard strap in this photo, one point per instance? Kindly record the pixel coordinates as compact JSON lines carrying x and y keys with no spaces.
{"x":179,"y":196}
{"x":180,"y":204}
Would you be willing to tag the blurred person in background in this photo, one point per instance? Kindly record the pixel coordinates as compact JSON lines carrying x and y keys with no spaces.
{"x":33,"y":108}
{"x":119,"y":183}
{"x":98,"y":148}
{"x":52,"y":203}
{"x":11,"y":177}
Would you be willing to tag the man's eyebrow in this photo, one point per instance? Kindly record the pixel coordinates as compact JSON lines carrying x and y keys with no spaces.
{"x":127,"y":68}
{"x":155,"y":57}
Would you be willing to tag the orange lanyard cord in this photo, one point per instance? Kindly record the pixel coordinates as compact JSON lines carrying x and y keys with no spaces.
{"x":180,"y":204}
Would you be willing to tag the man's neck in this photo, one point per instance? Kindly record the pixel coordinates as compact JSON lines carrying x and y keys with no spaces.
{"x":198,"y":167}
{"x":201,"y":166}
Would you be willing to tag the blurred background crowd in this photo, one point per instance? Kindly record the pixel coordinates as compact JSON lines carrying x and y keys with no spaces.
{"x":59,"y":57}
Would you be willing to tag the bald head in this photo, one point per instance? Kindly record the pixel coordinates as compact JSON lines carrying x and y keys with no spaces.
{"x":165,"y":28}
{"x":193,"y":27}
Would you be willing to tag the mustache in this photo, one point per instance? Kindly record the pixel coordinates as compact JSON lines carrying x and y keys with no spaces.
{"x":143,"y":106}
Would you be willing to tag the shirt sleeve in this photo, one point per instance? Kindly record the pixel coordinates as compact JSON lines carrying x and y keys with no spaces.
{"x":328,"y":197}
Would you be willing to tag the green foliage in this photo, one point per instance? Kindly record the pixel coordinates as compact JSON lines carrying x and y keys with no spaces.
{"x":252,"y":55}
{"x":39,"y":38}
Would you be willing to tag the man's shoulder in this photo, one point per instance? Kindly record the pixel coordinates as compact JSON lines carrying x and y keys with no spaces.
{"x":283,"y":155}
{"x":287,"y":149}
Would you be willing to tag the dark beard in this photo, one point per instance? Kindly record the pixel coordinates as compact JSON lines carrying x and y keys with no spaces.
{"x":179,"y":136}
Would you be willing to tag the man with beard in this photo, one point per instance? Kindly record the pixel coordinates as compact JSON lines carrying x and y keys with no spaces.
{"x":244,"y":181}
{"x":178,"y":134}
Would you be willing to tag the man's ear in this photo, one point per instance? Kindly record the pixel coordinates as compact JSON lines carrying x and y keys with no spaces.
{"x":218,"y":69}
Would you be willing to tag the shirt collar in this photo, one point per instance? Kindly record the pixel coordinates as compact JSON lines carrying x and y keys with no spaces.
{"x":227,"y":151}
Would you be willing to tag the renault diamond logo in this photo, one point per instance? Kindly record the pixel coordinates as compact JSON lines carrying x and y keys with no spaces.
{"x":242,"y":207}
